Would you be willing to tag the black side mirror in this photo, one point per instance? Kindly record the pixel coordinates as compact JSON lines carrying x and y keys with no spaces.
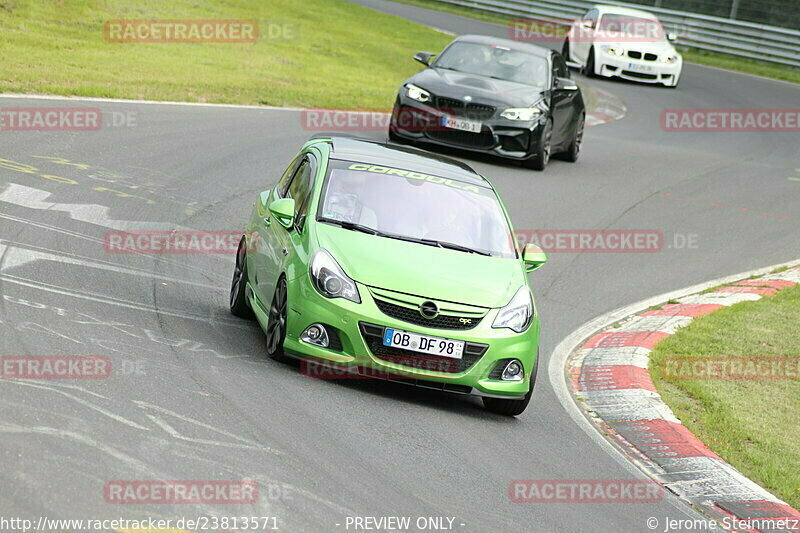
{"x":565,"y":84}
{"x":424,"y":58}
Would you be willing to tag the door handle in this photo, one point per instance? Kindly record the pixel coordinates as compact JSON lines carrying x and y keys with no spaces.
{"x":267,"y":221}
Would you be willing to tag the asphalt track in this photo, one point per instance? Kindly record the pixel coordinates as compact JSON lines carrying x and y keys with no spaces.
{"x":193,"y":397}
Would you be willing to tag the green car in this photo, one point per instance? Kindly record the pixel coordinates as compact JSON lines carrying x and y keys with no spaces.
{"x":396,"y":264}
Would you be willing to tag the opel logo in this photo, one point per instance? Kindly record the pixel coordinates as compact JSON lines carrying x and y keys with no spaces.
{"x":468,"y":98}
{"x":429,"y":310}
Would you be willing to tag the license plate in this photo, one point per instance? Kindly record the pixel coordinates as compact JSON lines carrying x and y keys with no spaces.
{"x":423,"y":343}
{"x":640,"y":68}
{"x":461,"y":124}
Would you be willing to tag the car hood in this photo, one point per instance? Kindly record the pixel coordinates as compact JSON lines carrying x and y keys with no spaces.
{"x":481,"y":88}
{"x":422,"y":270}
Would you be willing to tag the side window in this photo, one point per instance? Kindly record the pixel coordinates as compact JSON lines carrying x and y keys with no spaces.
{"x":591,"y":16}
{"x":300,"y":188}
{"x":283,"y":184}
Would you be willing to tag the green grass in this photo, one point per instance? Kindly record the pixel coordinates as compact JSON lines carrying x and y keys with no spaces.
{"x":335,"y":54}
{"x":749,"y":66}
{"x":753,"y":424}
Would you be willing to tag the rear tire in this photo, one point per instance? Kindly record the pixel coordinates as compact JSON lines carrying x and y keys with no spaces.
{"x":238,"y":301}
{"x":542,"y":157}
{"x":512,"y":407}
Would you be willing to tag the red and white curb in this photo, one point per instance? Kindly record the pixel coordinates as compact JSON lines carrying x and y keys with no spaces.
{"x":608,"y":375}
{"x":608,"y":108}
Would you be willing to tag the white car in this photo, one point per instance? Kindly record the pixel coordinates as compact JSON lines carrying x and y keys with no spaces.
{"x":627,"y":43}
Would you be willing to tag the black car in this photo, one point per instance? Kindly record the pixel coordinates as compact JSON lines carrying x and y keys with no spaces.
{"x":494,"y":96}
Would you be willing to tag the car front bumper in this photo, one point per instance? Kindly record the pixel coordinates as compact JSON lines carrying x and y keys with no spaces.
{"x":510,"y":139}
{"x":638,"y":69}
{"x":357,"y":325}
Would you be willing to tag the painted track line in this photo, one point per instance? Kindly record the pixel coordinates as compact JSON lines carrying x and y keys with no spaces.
{"x":610,"y":373}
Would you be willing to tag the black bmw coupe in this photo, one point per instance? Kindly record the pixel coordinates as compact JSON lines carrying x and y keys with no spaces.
{"x":495,"y":96}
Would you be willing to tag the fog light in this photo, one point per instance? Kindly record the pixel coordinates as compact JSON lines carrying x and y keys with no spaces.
{"x":316,"y":334}
{"x":513,"y":371}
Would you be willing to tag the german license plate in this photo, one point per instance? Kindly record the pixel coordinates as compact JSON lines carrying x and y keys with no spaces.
{"x":461,"y":124}
{"x":639,"y":67}
{"x":423,"y":343}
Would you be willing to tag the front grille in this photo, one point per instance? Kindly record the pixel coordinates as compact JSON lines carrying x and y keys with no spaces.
{"x":413,"y":316}
{"x":641,"y":75}
{"x":634,"y":54}
{"x":373,"y":336}
{"x":650,"y":57}
{"x":484,"y":139}
{"x":472,"y":111}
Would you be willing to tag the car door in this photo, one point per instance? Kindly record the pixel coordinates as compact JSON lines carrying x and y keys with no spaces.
{"x":562,"y":102}
{"x":280,"y":243}
{"x":266,"y":247}
{"x":583,"y":35}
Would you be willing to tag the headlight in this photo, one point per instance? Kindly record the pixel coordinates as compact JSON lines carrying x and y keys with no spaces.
{"x":518,"y":314}
{"x":329,"y":278}
{"x":415,"y":93}
{"x":521,"y":113}
{"x":614,"y":51}
{"x":669,"y":59}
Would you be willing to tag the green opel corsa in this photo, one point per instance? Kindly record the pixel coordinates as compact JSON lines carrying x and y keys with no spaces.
{"x":395,"y":264}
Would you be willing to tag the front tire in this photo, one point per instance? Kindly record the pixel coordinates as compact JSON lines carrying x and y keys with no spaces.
{"x":588,"y":69}
{"x":574,"y":150}
{"x":238,"y":300}
{"x":565,"y":50}
{"x":542,"y":157}
{"x":512,"y":407}
{"x":276,"y":325}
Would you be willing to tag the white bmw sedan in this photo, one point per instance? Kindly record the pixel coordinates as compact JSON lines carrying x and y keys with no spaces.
{"x":627,"y":43}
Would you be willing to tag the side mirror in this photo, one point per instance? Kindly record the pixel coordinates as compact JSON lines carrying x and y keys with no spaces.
{"x":672,"y":37}
{"x":424,"y":58}
{"x":533,"y":257}
{"x":588,"y":24}
{"x":283,"y":211}
{"x":565,"y":84}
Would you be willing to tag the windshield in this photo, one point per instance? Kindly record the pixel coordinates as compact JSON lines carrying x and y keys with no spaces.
{"x":403,"y":204}
{"x":647,"y":29}
{"x":496,"y":62}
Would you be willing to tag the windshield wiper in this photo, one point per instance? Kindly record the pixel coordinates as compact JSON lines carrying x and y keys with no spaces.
{"x":429,"y":242}
{"x":351,"y":226}
{"x":459,"y":247}
{"x":440,"y":244}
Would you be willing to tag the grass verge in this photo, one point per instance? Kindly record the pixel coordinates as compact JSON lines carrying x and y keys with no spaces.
{"x":738,"y":64}
{"x":322,"y":53}
{"x":752,"y":424}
